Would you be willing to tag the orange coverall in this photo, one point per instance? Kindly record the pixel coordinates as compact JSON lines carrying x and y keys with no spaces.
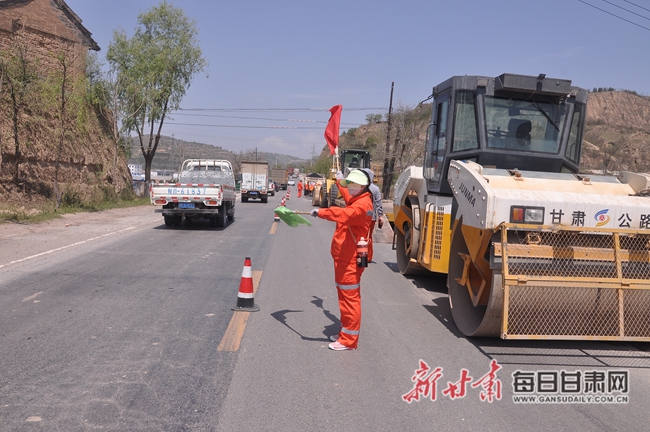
{"x":299,"y":189}
{"x":355,"y":217}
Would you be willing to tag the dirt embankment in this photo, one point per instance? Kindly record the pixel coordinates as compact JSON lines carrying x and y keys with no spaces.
{"x":86,"y":168}
{"x":618,"y":109}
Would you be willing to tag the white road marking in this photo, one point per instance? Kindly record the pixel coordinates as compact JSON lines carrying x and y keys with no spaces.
{"x":32,"y":296}
{"x":66,"y":247}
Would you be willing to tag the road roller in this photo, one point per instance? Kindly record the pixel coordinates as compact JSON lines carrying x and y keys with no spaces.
{"x":532,"y":248}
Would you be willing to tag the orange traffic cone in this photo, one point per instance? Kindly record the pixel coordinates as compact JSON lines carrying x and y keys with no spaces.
{"x":245,"y":296}
{"x":283,"y":202}
{"x":288,"y":195}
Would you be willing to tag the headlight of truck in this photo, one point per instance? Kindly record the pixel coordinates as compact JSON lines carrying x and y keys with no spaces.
{"x":527,"y":215}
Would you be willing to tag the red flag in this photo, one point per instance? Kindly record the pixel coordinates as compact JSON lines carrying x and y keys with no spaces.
{"x":332,"y":129}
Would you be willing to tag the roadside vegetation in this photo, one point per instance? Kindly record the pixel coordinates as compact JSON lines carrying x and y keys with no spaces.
{"x":47,"y":210}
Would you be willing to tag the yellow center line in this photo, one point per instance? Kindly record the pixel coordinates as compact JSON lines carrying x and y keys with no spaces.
{"x":235,"y":331}
{"x":274,"y":227}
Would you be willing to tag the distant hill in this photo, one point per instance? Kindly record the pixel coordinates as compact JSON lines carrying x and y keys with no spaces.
{"x":172,"y":151}
{"x":617,"y":132}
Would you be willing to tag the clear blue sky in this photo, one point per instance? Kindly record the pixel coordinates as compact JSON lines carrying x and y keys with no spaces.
{"x":285,"y":54}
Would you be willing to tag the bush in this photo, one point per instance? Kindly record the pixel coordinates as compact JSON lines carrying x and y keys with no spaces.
{"x":127,"y":194}
{"x":109,"y":194}
{"x":71,"y":198}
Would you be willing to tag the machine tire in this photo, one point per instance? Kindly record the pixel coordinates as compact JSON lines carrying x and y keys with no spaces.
{"x":315,"y":196}
{"x":265,"y":200}
{"x":324,"y":199}
{"x":334,"y":193}
{"x":407,"y":243}
{"x":169,"y":220}
{"x":230,"y":211}
{"x":474,"y":321}
{"x":244,"y":199}
{"x":176,"y":220}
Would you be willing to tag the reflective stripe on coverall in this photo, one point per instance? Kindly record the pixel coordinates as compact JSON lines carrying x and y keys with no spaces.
{"x":354,"y":218}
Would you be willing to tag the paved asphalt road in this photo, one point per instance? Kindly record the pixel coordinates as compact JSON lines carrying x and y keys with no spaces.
{"x":118,"y":323}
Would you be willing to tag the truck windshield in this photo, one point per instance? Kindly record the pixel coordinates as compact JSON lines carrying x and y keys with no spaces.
{"x":524,"y":125}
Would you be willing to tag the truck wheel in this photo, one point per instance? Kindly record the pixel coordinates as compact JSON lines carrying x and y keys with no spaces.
{"x":176,"y":220}
{"x":231,"y":211}
{"x":221,"y":217}
{"x":169,"y":221}
{"x":244,"y":199}
{"x":265,"y":200}
{"x":213,"y":221}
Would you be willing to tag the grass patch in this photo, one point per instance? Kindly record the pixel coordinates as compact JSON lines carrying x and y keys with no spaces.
{"x":48,"y":211}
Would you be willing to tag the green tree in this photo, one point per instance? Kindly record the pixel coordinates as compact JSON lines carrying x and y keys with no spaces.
{"x":20,"y":78}
{"x":156,"y":66}
{"x":103,"y":93}
{"x":63,"y":89}
{"x":373,"y":118}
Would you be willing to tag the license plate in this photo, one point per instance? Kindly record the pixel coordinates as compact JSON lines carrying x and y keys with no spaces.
{"x":186,"y":205}
{"x":253,"y":193}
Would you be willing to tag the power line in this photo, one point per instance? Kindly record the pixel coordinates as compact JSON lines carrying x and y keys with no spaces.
{"x":244,"y":127}
{"x":627,"y":10}
{"x":279,"y":109}
{"x":634,"y":4}
{"x":255,"y":118}
{"x":614,"y":15}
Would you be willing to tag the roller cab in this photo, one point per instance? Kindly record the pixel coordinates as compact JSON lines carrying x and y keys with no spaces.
{"x":532,"y":249}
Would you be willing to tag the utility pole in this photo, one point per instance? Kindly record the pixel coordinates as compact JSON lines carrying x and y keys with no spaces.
{"x":171,"y":155}
{"x":385,"y":187}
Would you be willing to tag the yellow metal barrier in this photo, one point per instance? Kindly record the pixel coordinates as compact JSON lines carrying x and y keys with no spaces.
{"x":575,"y":283}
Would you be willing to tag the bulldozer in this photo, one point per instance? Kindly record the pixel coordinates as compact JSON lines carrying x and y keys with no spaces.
{"x":327,"y":194}
{"x":532,"y":248}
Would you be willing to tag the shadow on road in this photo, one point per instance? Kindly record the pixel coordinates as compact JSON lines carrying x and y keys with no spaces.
{"x":570,"y":353}
{"x":331,"y":329}
{"x":188,"y":225}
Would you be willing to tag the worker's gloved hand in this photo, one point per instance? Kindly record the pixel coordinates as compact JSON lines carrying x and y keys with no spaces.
{"x":339,"y":175}
{"x":380,"y":223}
{"x":314,"y":213}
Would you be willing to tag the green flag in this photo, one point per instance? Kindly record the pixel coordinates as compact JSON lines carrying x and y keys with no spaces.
{"x":290,"y":217}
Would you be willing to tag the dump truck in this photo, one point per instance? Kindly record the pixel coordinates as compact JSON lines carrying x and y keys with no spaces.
{"x":328,"y":194}
{"x":280,"y":177}
{"x":204,"y":189}
{"x":532,"y":248}
{"x":255,"y":180}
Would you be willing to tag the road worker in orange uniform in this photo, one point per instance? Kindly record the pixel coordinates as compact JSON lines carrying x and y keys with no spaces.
{"x":299,"y":189}
{"x":352,"y":222}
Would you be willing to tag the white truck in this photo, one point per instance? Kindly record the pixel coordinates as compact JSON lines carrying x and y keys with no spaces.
{"x":255,"y":180}
{"x":205,"y":189}
{"x":280,"y":178}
